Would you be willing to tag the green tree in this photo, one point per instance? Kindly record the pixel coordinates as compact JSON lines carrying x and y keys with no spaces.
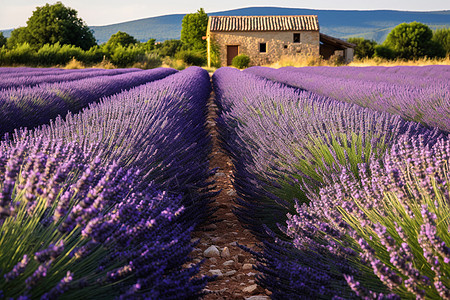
{"x":169,"y":48}
{"x":18,"y":37}
{"x":2,"y":40}
{"x":148,"y":45}
{"x":193,"y":29}
{"x":121,"y":38}
{"x":383,"y":51}
{"x":442,"y":37}
{"x":50,"y":24}
{"x":412,"y":41}
{"x":364,"y":48}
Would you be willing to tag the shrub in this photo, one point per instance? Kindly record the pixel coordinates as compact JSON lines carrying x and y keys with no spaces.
{"x":394,"y":218}
{"x":442,"y":37}
{"x":364,"y":48}
{"x":51,"y":55}
{"x":149,"y":61}
{"x":384,"y":52}
{"x":192,"y":58}
{"x":125,"y":57}
{"x":94,"y":55}
{"x":20,"y":55}
{"x":241,"y":61}
{"x":169,"y":48}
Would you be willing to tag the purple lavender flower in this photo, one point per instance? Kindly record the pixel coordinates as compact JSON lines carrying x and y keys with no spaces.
{"x":18,"y":269}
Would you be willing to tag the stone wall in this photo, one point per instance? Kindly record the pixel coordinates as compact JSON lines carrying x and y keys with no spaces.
{"x":278,"y":43}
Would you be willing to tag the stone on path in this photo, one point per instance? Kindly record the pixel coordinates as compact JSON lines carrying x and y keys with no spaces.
{"x":250,"y":289}
{"x":230,"y":273}
{"x":231,"y":193}
{"x":257,"y":297}
{"x":228,"y":263}
{"x":216,"y":272}
{"x":226,"y":252}
{"x":212,"y":251}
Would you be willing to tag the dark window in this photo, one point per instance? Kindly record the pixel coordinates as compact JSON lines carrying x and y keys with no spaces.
{"x":296,"y":37}
{"x":263,"y":47}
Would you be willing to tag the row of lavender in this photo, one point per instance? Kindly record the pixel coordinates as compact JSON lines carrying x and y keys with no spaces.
{"x":424,"y":99}
{"x":31,"y":106}
{"x":404,"y":75}
{"x":19,"y":71}
{"x":94,"y":205}
{"x":349,"y":202}
{"x":30,"y":78}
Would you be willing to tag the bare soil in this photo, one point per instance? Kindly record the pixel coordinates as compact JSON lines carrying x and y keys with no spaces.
{"x":234,"y":266}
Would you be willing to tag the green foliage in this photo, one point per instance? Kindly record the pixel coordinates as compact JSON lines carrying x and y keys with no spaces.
{"x":123,"y":57}
{"x":59,"y":55}
{"x":191,"y":57}
{"x":241,"y":61}
{"x":120,"y":39}
{"x":50,"y":24}
{"x":385,"y":52}
{"x":50,"y":55}
{"x":407,"y":227}
{"x":93,"y":56}
{"x":18,"y":37}
{"x":193,"y":28}
{"x":215,"y":54}
{"x":442,"y":37}
{"x":20,"y":55}
{"x":149,"y":61}
{"x":169,"y":48}
{"x":412,"y":41}
{"x":364,"y":48}
{"x":148,"y":45}
{"x":2,"y":40}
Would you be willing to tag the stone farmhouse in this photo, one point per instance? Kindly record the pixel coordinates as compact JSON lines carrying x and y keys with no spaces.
{"x":266,"y":38}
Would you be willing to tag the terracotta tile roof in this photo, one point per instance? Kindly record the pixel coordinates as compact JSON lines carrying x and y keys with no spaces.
{"x":263,"y":23}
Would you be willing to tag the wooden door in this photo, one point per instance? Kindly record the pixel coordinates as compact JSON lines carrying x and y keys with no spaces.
{"x":232,"y":51}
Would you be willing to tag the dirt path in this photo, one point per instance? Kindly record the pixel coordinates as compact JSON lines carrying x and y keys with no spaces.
{"x":218,"y":244}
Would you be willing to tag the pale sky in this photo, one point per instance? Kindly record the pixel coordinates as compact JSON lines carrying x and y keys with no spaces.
{"x":15,"y":13}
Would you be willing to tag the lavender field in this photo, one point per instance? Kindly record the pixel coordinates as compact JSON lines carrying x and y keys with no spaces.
{"x":343,"y":175}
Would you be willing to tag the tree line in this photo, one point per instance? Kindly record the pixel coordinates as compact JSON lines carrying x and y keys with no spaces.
{"x":54,"y":35}
{"x":407,"y":41}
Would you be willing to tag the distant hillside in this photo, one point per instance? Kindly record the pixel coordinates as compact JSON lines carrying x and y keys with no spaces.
{"x":375,"y":24}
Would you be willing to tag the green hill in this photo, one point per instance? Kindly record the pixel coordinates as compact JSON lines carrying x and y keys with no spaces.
{"x":374,"y":24}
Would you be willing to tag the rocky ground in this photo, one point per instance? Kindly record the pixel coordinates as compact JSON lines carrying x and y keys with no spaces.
{"x":218,"y":242}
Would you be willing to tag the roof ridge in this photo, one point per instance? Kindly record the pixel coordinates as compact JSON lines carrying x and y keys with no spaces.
{"x":264,"y":16}
{"x":264,"y":23}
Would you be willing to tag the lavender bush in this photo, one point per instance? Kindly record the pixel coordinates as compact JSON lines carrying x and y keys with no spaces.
{"x":350,"y":237}
{"x":24,"y":71}
{"x":70,"y":226}
{"x":423,"y":99}
{"x":137,"y":126}
{"x":403,"y":75}
{"x":30,"y":79}
{"x":33,"y":106}
{"x":392,"y":223}
{"x":132,"y":242}
{"x":284,"y":141}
